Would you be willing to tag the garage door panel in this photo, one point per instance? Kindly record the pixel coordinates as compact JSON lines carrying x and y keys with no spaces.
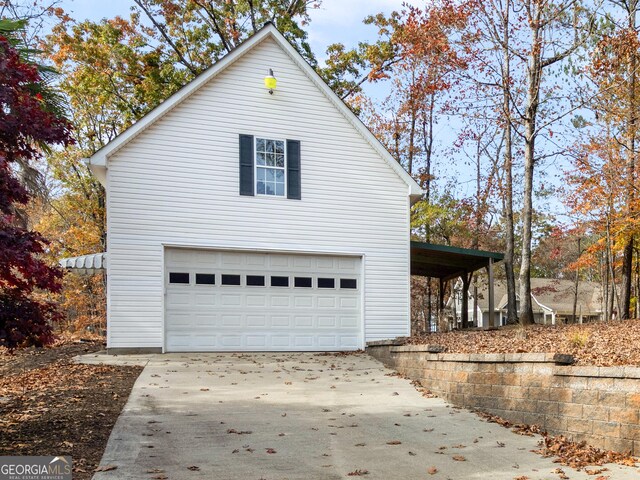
{"x":303,"y":301}
{"x":231,"y":320}
{"x":256,"y":341}
{"x":206,"y":320}
{"x":280,"y":321}
{"x":326,"y":321}
{"x":326,"y":302}
{"x":256,"y":320}
{"x":280,"y":301}
{"x":303,"y":321}
{"x":204,"y":315}
{"x":256,"y":300}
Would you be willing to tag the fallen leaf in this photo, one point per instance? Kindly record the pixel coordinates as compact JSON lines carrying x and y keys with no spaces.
{"x":105,"y":468}
{"x":459,"y":458}
{"x":394,"y":442}
{"x":432,"y":470}
{"x":271,"y":450}
{"x":357,"y":473}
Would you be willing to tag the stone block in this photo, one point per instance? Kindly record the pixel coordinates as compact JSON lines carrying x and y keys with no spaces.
{"x":632,"y":372}
{"x":573,"y":410}
{"x":535,"y":393}
{"x":460,"y":376}
{"x":555,"y":423}
{"x":600,"y":383}
{"x":487,"y":367}
{"x":510,"y":378}
{"x":482,"y":389}
{"x":612,"y":372}
{"x":576,"y":383}
{"x":612,"y":399}
{"x":504,"y":368}
{"x":606,"y":429}
{"x":623,"y":415}
{"x":618,"y":444}
{"x":498,"y":391}
{"x":523,"y":368}
{"x":633,"y":400}
{"x":560,"y":394}
{"x":630,"y":432}
{"x":596,"y":412}
{"x":533,"y":419}
{"x":528,"y":406}
{"x":465,"y":388}
{"x":515,"y":391}
{"x":579,"y":426}
{"x":548,"y":408}
{"x":455,"y":357}
{"x":584,"y":371}
{"x":586,"y":397}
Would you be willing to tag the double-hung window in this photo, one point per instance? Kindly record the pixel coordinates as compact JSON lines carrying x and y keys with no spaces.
{"x":270,"y":167}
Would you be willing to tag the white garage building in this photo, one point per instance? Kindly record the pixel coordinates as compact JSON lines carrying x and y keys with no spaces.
{"x":244,"y":219}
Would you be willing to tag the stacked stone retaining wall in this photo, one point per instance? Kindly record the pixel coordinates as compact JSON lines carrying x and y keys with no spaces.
{"x":598,"y":404}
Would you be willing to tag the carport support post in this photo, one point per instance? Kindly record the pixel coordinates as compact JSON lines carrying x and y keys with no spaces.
{"x":492,"y":313}
{"x":465,"y":300}
{"x":441,"y":300}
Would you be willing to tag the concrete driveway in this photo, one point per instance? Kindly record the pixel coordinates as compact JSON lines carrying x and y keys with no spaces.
{"x":305,"y":416}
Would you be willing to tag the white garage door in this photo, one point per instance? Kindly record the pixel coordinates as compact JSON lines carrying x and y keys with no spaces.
{"x":221,"y":300}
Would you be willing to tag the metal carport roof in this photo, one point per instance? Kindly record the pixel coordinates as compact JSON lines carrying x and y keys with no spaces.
{"x":446,"y":263}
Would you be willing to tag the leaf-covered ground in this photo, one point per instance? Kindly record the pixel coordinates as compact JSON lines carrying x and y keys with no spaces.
{"x":601,"y":344}
{"x":51,"y":406}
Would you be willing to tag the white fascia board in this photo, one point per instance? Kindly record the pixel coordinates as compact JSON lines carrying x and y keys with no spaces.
{"x":544,"y":307}
{"x":100,"y":158}
{"x":98,"y":171}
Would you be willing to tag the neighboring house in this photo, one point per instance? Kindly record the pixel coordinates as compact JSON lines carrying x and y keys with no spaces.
{"x":552,"y":302}
{"x":244,"y":219}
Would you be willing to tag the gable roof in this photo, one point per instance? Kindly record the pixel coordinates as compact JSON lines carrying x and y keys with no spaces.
{"x":99,"y":161}
{"x":554,"y":294}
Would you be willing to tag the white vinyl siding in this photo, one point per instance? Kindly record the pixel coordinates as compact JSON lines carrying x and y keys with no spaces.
{"x":177,"y":184}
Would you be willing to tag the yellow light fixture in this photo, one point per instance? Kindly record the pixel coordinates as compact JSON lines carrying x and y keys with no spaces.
{"x":270,"y":82}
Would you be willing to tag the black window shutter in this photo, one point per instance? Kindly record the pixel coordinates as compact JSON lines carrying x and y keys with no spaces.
{"x":293,"y":170}
{"x":246,"y":165}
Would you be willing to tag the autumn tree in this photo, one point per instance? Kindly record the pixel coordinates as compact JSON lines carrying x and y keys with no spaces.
{"x":28,"y":125}
{"x":613,"y":70}
{"x":197,"y":33}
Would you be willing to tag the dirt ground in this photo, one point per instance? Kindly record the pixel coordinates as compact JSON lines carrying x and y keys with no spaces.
{"x":601,"y":344}
{"x":51,"y":406}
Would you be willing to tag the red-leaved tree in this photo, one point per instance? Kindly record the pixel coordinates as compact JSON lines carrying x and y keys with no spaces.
{"x":27,"y":124}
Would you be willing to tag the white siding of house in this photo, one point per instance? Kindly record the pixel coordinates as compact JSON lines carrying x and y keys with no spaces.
{"x":177,"y":184}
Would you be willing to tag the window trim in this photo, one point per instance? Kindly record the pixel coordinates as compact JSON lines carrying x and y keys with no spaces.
{"x":205,"y":284}
{"x":334,"y":287}
{"x":180,"y":273}
{"x":222,"y":284}
{"x":246,"y":281}
{"x":256,"y":166}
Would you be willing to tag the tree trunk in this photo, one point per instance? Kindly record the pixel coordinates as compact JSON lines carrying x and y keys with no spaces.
{"x":512,"y":311}
{"x":627,"y":254}
{"x":534,"y":75}
{"x":575,"y":285}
